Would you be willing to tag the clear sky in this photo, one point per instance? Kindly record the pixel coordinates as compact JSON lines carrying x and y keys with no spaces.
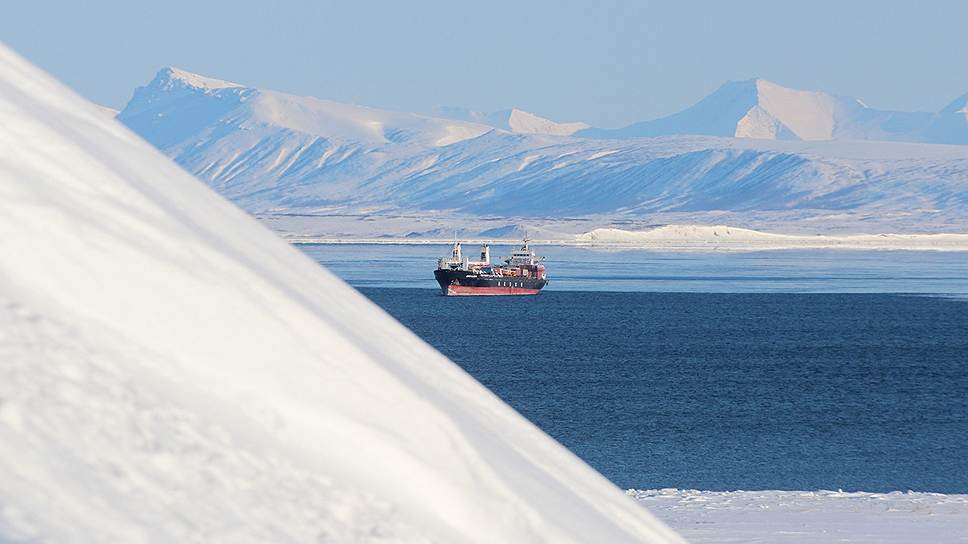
{"x":605,"y":62}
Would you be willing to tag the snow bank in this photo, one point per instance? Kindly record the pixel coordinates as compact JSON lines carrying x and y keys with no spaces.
{"x":792,"y":517}
{"x":722,"y":237}
{"x":170,"y":371}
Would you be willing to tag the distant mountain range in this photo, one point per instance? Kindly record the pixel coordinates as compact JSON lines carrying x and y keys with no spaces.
{"x":276,"y":153}
{"x":512,"y":120}
{"x":760,"y":109}
{"x":757,"y":109}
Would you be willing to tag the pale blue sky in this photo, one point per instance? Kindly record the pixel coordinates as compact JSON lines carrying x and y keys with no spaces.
{"x":605,"y":62}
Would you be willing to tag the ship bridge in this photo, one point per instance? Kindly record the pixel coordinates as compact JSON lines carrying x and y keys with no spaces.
{"x":523,"y":257}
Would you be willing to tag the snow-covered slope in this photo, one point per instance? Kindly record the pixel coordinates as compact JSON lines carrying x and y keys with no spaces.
{"x":176,"y":104}
{"x":274,"y":153}
{"x":810,"y":517}
{"x":108,"y":112}
{"x":513,"y":120}
{"x":958,"y":107}
{"x":170,"y":371}
{"x":758,"y":108}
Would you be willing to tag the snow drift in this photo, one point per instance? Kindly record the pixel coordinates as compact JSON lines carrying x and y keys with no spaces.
{"x":170,"y":371}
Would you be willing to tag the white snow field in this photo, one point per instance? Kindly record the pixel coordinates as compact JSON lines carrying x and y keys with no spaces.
{"x":725,"y":238}
{"x":171,"y":371}
{"x":280,"y":156}
{"x":801,"y":517}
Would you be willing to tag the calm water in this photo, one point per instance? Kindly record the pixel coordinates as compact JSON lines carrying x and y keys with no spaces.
{"x":576,"y":269}
{"x":797,"y":374}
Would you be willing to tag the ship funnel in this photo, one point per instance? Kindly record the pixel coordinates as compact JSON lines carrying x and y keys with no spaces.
{"x":455,"y":253}
{"x":485,"y":253}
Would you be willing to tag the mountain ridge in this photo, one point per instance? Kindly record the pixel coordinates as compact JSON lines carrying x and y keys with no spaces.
{"x":275,"y":153}
{"x":761,"y":109}
{"x":512,"y":120}
{"x":752,"y":109}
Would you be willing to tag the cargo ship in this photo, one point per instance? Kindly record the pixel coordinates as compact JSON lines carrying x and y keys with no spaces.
{"x":521,"y":274}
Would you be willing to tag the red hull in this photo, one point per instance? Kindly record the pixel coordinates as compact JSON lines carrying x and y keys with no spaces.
{"x":465,"y":290}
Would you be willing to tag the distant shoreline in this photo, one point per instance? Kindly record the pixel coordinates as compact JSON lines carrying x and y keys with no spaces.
{"x":696,"y":246}
{"x":706,"y":238}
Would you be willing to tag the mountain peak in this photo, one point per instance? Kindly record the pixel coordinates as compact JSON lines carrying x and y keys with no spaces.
{"x":169,"y":75}
{"x":527,"y":122}
{"x":958,"y":105}
{"x":513,"y":120}
{"x":754,"y":108}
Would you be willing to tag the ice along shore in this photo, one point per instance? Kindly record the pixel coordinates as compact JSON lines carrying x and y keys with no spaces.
{"x":691,"y":238}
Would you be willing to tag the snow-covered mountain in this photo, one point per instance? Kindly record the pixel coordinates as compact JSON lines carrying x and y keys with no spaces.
{"x":512,"y":120}
{"x":176,"y":104}
{"x":171,"y":371}
{"x":758,"y":108}
{"x":274,"y":153}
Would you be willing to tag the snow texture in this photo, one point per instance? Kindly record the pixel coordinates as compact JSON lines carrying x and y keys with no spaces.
{"x":108,"y":112}
{"x":278,"y":154}
{"x":802,"y":517}
{"x":171,"y":371}
{"x":722,"y":238}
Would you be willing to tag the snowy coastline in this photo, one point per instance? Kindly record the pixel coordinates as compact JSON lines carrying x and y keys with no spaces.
{"x":794,"y":517}
{"x":694,"y":238}
{"x":171,"y":371}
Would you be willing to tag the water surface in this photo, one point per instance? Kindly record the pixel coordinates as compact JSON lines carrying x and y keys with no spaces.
{"x":581,"y":269}
{"x":774,"y":370}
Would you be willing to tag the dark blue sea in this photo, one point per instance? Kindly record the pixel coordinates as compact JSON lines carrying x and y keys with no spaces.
{"x":777,"y":370}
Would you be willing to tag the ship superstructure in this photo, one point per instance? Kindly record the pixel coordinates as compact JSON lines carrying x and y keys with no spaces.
{"x":521,"y":274}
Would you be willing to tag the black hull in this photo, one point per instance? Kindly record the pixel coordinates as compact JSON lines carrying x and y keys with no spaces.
{"x":463,"y":282}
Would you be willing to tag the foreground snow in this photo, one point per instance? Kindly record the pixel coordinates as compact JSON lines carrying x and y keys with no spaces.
{"x":800,"y":517}
{"x":171,"y":371}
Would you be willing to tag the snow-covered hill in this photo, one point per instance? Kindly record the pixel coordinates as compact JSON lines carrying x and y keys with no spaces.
{"x":758,"y":108}
{"x":279,"y":154}
{"x":513,"y":120}
{"x":171,"y":371}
